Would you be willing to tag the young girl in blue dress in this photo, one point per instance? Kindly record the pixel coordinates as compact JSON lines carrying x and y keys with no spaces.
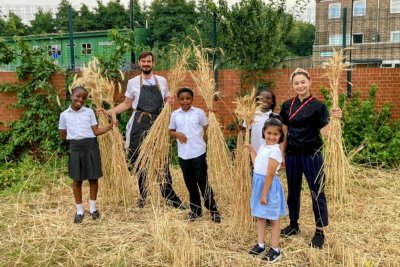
{"x":78,"y":126}
{"x":267,"y":197}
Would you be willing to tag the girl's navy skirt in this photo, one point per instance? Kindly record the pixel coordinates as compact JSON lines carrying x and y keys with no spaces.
{"x":84,"y":159}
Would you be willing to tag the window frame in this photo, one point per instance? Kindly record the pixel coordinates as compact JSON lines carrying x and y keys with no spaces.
{"x":392,"y":9}
{"x":362,"y":40}
{"x":392,"y":33}
{"x":338,"y":37}
{"x":86,"y":49}
{"x":53,"y":48}
{"x":364,"y":8}
{"x":330,"y":9}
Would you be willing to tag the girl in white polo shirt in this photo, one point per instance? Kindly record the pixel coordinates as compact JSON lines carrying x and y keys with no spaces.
{"x":78,"y":126}
{"x":187,"y":126}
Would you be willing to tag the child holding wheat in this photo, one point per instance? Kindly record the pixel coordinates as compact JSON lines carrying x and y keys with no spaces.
{"x":267,"y":100}
{"x":78,"y":126}
{"x":186,"y":126}
{"x":267,"y":196}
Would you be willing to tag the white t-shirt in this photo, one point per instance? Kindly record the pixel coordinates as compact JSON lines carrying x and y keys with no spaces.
{"x":191,"y":124}
{"x":133,"y":88}
{"x":256,"y":139}
{"x":264,"y":154}
{"x":78,"y":123}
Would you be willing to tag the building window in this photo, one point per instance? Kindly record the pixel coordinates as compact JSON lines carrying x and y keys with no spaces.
{"x":395,"y":37}
{"x":359,"y":8}
{"x":358,"y":38}
{"x":334,"y":11}
{"x":86,"y":49}
{"x":394,"y":6}
{"x":54,"y":49}
{"x":337,"y":39}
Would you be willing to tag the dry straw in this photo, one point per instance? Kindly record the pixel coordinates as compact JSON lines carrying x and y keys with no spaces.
{"x":218,"y":155}
{"x":116,"y":185}
{"x":246,"y":108}
{"x":36,"y":229}
{"x":154,"y":150}
{"x":336,"y":166}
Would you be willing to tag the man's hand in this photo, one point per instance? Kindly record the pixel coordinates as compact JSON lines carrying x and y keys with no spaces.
{"x":170,"y":100}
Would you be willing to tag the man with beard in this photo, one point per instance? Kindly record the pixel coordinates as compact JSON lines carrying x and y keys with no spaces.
{"x":146,"y":94}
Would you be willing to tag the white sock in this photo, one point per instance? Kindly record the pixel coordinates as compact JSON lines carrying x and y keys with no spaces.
{"x":92,"y":204}
{"x":79,"y":209}
{"x":276,"y":249}
{"x":261,"y":245}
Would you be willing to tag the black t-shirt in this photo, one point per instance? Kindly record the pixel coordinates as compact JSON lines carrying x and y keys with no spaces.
{"x":304,"y":128}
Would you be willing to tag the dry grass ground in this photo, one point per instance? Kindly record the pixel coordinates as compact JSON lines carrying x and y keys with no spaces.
{"x":37,"y":230}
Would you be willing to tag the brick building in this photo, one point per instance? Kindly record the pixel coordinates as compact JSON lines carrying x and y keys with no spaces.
{"x":373,"y":25}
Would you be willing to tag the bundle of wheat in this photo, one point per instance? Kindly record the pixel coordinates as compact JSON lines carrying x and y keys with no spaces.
{"x":336,"y":166}
{"x":117,"y":185}
{"x":154,"y":150}
{"x":218,"y":155}
{"x":246,"y":108}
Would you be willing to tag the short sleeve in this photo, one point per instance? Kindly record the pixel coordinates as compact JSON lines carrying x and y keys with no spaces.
{"x":62,"y":125}
{"x":130,"y":89}
{"x":203,"y":118}
{"x":172,"y":123}
{"x":93,"y":120}
{"x":276,"y":154}
{"x":324,"y":116}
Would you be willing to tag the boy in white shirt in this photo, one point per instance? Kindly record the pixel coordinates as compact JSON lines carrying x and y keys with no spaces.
{"x":187,"y":125}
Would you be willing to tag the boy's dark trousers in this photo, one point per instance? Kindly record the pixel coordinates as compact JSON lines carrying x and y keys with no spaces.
{"x":309,"y":164}
{"x":195,"y":177}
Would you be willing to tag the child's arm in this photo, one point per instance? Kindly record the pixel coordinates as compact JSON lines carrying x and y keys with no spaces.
{"x":283,"y":145}
{"x":99,"y":131}
{"x":63,"y":135}
{"x":178,"y":135}
{"x":272,"y":167}
{"x":252,"y":152}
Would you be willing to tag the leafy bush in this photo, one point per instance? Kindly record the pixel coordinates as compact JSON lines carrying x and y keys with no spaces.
{"x":37,"y":130}
{"x":370,"y":134}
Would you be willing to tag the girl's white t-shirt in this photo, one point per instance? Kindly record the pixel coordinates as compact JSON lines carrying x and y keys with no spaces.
{"x":264,"y":154}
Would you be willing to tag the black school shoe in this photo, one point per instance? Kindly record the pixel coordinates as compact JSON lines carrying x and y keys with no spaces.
{"x":193,"y":216}
{"x":78,"y":218}
{"x":272,"y":256}
{"x":178,"y":204}
{"x":95,"y":215}
{"x":290,"y":230}
{"x":216,"y":217}
{"x":318,"y":240}
{"x":256,"y":250}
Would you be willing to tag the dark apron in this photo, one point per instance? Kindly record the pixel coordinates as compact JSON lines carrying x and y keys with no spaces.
{"x":149,"y":107}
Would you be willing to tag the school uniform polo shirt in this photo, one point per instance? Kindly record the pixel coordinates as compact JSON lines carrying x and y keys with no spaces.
{"x":78,"y":123}
{"x":191,"y":123}
{"x":304,"y":128}
{"x":256,"y":139}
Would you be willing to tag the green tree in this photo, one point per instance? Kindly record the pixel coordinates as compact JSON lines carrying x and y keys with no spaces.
{"x":301,"y":39}
{"x":12,"y":25}
{"x":85,"y":20}
{"x":112,"y":16}
{"x":170,"y":20}
{"x":43,"y":23}
{"x":254,"y":33}
{"x":62,"y":16}
{"x":138,"y":14}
